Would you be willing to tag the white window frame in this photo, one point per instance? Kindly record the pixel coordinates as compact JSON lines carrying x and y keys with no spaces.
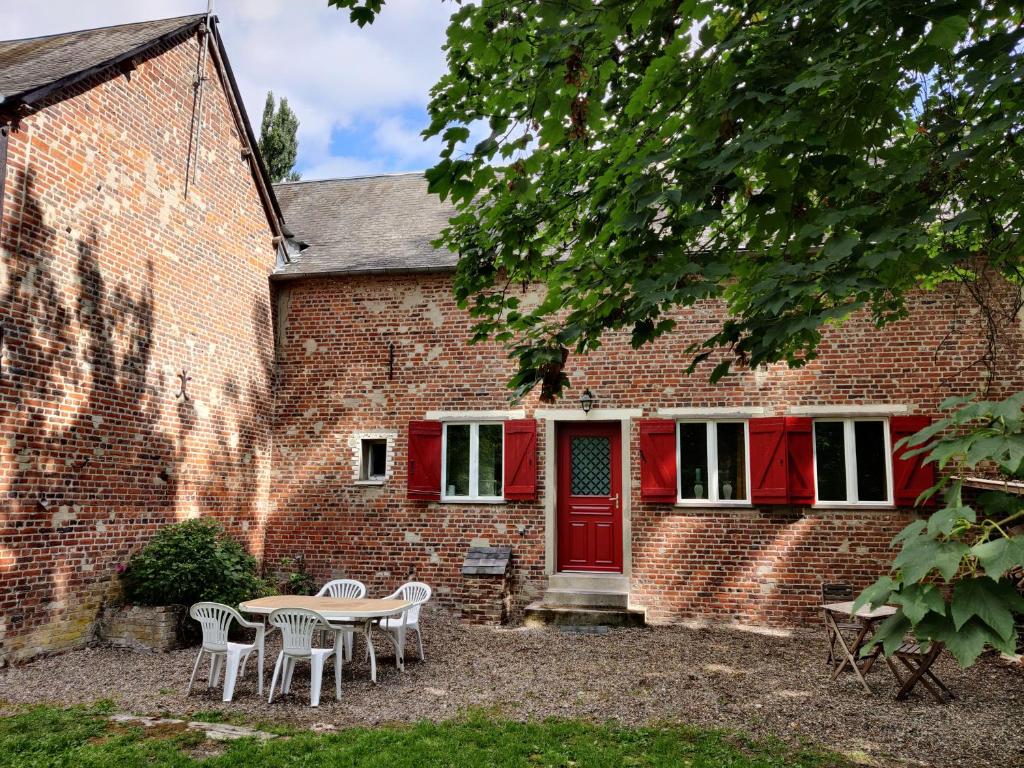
{"x":850,"y":463}
{"x":712,"y":499}
{"x":474,"y":462}
{"x":366,"y":460}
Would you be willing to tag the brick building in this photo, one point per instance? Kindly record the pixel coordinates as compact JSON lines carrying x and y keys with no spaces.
{"x":395,"y":447}
{"x":138,"y":232}
{"x":170,"y":349}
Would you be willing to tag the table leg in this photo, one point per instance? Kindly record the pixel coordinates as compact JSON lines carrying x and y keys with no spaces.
{"x":850,"y":659}
{"x":368,"y":628}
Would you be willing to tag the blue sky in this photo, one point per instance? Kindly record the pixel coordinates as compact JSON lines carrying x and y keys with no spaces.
{"x":360,"y":94}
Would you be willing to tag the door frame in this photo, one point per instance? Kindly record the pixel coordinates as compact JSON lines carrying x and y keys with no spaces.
{"x":551,"y":417}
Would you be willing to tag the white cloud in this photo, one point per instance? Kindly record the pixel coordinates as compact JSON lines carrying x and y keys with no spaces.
{"x":333,"y":73}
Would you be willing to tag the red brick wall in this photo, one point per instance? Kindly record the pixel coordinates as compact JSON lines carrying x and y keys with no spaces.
{"x":760,"y":565}
{"x":111,"y":283}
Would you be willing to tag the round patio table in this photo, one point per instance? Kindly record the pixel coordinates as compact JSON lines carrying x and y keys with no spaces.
{"x":338,"y":610}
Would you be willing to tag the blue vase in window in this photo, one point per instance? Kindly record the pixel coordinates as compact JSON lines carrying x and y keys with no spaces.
{"x":698,"y":487}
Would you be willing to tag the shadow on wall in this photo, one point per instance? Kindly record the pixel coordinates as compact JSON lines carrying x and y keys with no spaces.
{"x":90,"y":466}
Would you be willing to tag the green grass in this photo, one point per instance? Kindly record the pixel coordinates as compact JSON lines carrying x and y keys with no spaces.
{"x":45,"y":737}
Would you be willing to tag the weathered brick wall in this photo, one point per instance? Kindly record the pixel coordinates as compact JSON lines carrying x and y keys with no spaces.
{"x":112,"y":282}
{"x":760,"y":565}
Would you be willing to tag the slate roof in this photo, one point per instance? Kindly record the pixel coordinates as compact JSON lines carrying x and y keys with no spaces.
{"x":487,"y":561}
{"x":364,"y":225}
{"x":33,"y":68}
{"x":33,"y":64}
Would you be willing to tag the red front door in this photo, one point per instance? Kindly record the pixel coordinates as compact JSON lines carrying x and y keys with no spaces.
{"x":589,"y":476}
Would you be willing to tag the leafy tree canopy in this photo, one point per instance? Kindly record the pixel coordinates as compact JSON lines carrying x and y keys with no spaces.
{"x":278,"y":143}
{"x":798,"y":159}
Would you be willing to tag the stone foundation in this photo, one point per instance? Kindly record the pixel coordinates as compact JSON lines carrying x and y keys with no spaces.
{"x":142,"y":627}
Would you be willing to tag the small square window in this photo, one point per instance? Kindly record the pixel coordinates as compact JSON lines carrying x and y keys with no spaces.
{"x":373,"y":463}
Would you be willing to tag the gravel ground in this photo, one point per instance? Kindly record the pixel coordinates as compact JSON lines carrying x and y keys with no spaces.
{"x":766,"y":685}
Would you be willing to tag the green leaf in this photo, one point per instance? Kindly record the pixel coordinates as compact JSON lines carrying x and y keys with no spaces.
{"x":946,"y":519}
{"x":922,"y":555}
{"x":917,"y":600}
{"x":981,"y":598}
{"x":947,"y":32}
{"x":890,"y":634}
{"x":999,"y":555}
{"x":967,"y":642}
{"x":877,"y":594}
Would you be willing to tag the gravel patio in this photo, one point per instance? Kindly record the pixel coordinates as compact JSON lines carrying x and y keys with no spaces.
{"x":762,"y":684}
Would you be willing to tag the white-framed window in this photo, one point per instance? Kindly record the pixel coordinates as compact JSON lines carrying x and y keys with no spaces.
{"x":373,"y":458}
{"x":852,"y":462}
{"x":472,"y":461}
{"x":712,"y":462}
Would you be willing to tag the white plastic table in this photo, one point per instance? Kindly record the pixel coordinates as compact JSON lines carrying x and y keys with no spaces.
{"x":337,"y":610}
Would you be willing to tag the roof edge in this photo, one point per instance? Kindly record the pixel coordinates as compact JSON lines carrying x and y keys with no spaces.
{"x":259,"y":169}
{"x":285,"y":277}
{"x":387,"y":175}
{"x":30,"y":97}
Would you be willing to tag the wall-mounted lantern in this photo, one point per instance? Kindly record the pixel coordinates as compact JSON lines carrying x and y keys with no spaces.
{"x":587,"y":400}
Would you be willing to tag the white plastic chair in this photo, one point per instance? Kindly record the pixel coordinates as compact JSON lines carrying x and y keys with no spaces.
{"x":344,"y":588}
{"x":297,"y":627}
{"x":215,"y":620}
{"x":396,"y":627}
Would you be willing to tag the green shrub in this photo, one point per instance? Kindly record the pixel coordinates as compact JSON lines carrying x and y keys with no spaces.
{"x":192,"y":561}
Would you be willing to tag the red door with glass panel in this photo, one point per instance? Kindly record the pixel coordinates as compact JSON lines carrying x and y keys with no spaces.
{"x":589,"y":476}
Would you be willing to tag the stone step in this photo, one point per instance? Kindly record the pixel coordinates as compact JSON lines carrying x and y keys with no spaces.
{"x":590,"y":582}
{"x":541,"y":615}
{"x":577,"y":598}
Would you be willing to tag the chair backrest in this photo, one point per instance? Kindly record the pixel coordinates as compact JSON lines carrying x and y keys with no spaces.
{"x":836,"y":592}
{"x":297,"y":626}
{"x":349,"y":588}
{"x":215,"y":619}
{"x":415,"y":592}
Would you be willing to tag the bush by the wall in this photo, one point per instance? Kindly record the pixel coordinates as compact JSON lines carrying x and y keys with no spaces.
{"x":192,"y":561}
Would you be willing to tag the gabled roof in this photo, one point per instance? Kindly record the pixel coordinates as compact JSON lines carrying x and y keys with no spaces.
{"x":35,"y":68}
{"x":364,"y":225}
{"x":29,"y":69}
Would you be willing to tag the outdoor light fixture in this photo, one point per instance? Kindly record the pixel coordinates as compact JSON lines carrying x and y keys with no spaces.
{"x":587,"y":400}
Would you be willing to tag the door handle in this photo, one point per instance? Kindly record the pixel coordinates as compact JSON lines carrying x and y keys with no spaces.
{"x":614,"y":500}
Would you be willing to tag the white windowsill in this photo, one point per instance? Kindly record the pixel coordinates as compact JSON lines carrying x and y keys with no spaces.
{"x":849,"y":411}
{"x":853,"y":505}
{"x":705,"y":504}
{"x":468,"y":500}
{"x":371,"y":482}
{"x":513,"y":414}
{"x":713,"y":412}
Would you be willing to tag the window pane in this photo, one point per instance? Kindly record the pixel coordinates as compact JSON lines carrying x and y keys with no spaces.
{"x":489,"y":478}
{"x":456,"y":467}
{"x":693,"y":461}
{"x":378,"y":458}
{"x":732,"y":462}
{"x":829,"y":447}
{"x":591,"y":466}
{"x":869,"y":444}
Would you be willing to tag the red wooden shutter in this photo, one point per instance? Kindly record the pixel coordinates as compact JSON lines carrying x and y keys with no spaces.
{"x":910,"y":475}
{"x":658,"y":460}
{"x":424,"y":460}
{"x":769,"y":461}
{"x":520,"y":479}
{"x":800,"y":450}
